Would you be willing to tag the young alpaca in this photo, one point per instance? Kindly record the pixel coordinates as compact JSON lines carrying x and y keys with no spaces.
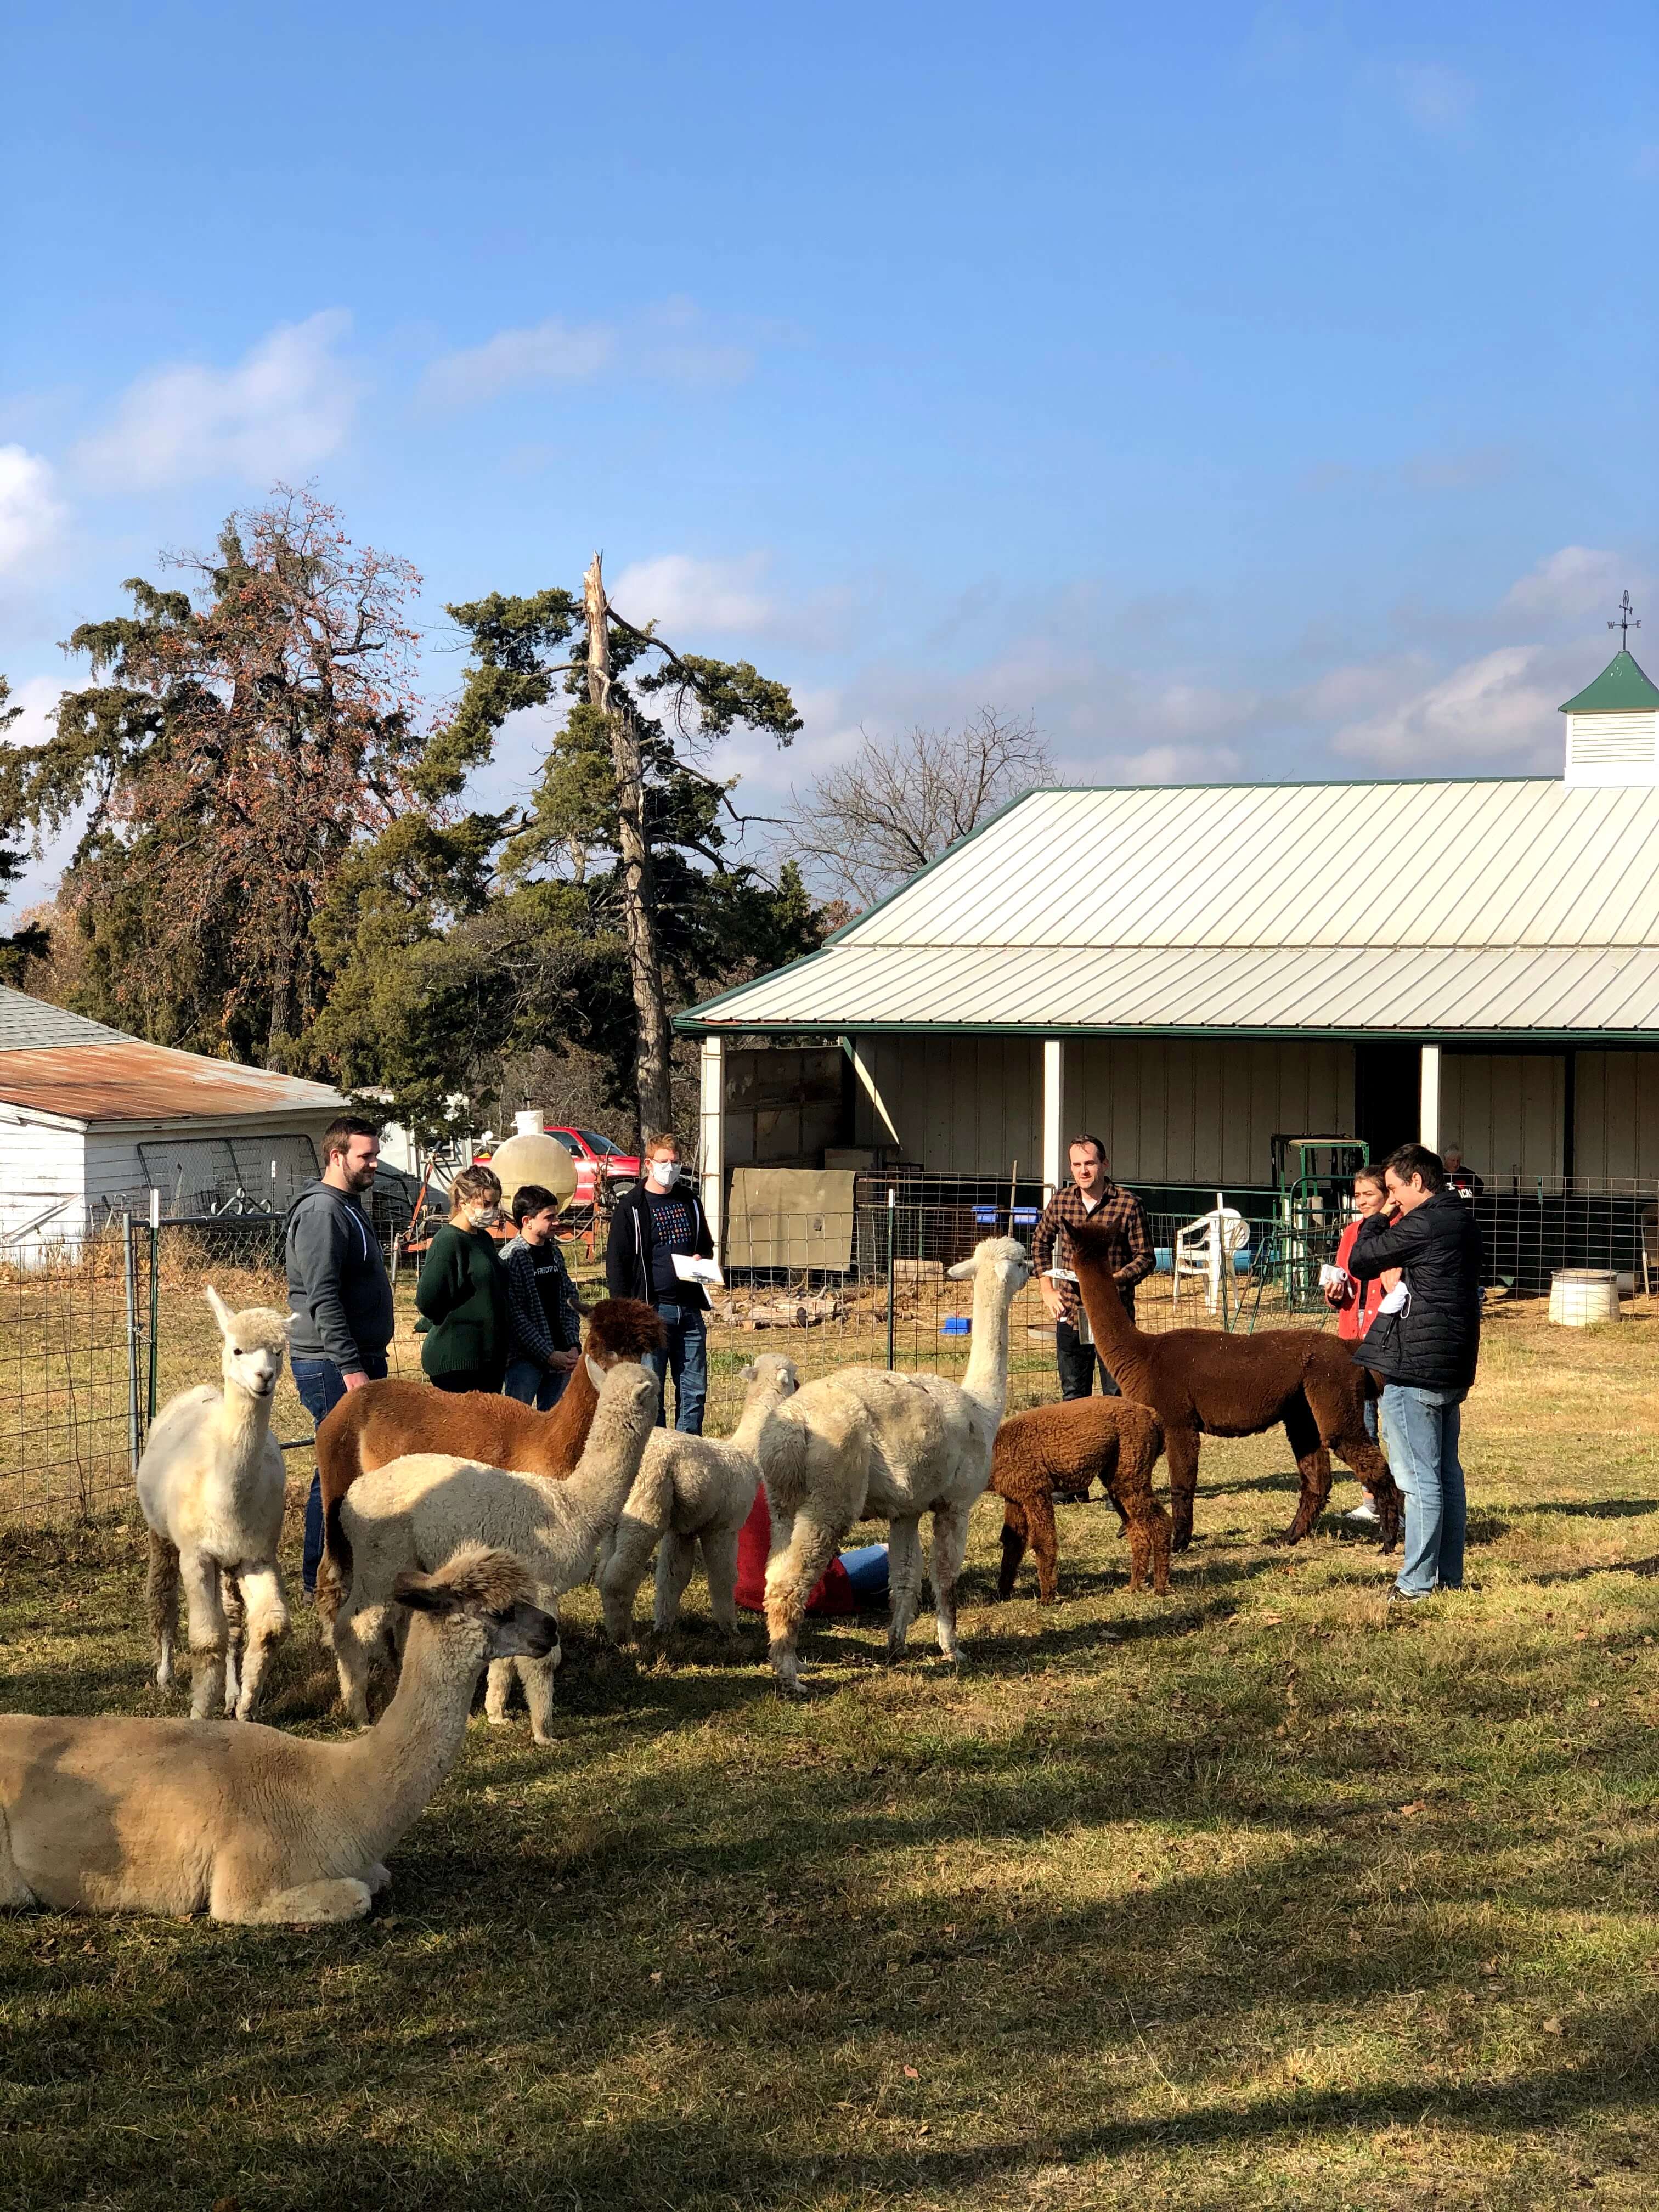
{"x":212,"y":1489}
{"x":866,"y":1444}
{"x":386,"y":1420}
{"x":691,"y":1490}
{"x":1200,"y":1382}
{"x":1063,"y":1448}
{"x":419,"y":1511}
{"x":246,"y":1823}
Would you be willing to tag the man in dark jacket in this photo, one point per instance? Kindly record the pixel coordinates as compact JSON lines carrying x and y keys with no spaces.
{"x":1425,"y":1350}
{"x":659,"y":1221}
{"x":339,"y":1293}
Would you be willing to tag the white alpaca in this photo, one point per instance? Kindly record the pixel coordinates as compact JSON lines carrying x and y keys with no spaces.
{"x":212,"y":1489}
{"x":868,"y":1444}
{"x":691,"y":1490}
{"x":244,"y":1822}
{"x":417,"y":1512}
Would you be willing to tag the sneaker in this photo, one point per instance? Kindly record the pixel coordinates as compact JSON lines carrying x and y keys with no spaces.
{"x":1398,"y":1596}
{"x":1363,"y":1515}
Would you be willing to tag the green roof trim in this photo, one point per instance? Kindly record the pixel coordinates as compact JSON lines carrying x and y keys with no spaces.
{"x":1622,"y":688}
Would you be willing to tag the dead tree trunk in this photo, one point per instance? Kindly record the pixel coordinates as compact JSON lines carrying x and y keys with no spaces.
{"x":651,"y":1060}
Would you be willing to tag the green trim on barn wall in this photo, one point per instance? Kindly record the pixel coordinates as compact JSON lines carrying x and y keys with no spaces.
{"x":1475,"y":1040}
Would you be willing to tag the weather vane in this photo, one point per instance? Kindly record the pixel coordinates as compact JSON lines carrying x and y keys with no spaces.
{"x":1625,"y":623}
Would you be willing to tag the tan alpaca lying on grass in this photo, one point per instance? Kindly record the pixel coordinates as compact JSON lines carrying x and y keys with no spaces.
{"x":867,"y":1444}
{"x":690,"y":1491}
{"x":418,"y":1512}
{"x":212,"y":1489}
{"x":241,"y":1821}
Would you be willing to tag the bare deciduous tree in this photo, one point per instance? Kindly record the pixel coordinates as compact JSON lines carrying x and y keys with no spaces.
{"x":861,"y":829}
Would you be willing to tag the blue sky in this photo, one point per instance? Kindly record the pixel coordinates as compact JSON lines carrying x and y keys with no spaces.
{"x":1242,"y":392}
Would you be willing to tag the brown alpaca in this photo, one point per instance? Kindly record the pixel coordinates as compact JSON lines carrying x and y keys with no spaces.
{"x":383,"y":1421}
{"x":1063,"y":1448}
{"x":1200,"y":1382}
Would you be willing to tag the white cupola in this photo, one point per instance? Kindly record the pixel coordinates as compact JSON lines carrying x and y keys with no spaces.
{"x":1613,"y":725}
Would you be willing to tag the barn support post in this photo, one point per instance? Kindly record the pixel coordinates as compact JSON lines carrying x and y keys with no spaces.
{"x":711,"y":1139}
{"x":893,"y":1255}
{"x":1053,"y":1114}
{"x":155,"y":1305}
{"x":131,"y":1254}
{"x":1428,"y":1116}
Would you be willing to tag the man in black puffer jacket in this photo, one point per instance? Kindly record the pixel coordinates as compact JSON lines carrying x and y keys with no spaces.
{"x":1425,"y":1351}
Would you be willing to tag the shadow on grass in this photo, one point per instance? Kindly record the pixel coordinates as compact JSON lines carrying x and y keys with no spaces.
{"x":1647,"y":1569}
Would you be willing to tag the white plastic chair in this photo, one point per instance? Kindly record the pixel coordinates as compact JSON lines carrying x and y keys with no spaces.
{"x":1205,"y":1247}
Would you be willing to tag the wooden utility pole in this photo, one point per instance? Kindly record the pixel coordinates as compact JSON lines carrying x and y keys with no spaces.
{"x":651,"y":1062}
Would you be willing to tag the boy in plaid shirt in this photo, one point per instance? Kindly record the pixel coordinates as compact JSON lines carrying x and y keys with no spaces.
{"x":1089,"y":1196}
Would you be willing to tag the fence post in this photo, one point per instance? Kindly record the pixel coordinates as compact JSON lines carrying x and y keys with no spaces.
{"x":131,"y":1273}
{"x":892,"y":1232}
{"x":154,"y":1304}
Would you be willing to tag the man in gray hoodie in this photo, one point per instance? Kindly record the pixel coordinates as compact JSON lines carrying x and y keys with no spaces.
{"x":340,"y":1292}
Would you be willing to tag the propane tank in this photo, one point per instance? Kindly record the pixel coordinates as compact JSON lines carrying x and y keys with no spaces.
{"x":531,"y":1156}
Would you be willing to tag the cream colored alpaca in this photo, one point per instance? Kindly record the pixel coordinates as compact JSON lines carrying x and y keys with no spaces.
{"x":691,"y":1490}
{"x":868,"y":1444}
{"x":212,"y":1488}
{"x":117,"y":1815}
{"x":417,"y":1512}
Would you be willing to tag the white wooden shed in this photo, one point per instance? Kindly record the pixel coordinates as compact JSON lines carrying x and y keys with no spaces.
{"x":92,"y":1120}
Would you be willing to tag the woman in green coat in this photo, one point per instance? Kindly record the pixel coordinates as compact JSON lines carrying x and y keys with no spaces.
{"x":462,"y":1292}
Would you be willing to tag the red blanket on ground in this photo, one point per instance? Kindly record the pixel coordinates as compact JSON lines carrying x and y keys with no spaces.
{"x":832,"y":1593}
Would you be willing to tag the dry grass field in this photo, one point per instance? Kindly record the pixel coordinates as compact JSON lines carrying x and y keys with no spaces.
{"x":1253,"y":1894}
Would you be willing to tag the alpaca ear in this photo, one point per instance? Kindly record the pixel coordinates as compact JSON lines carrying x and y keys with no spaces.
{"x":221,"y":1312}
{"x":421,"y":1596}
{"x":595,"y":1372}
{"x":963,"y":1270}
{"x":749,"y":1374}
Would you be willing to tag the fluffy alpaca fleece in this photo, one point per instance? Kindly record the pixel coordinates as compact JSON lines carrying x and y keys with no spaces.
{"x":1202,"y":1383}
{"x":419,"y":1511}
{"x":211,"y":1487}
{"x":691,"y":1491}
{"x":383,"y":1421}
{"x":867,"y":1444}
{"x":1063,"y":1448}
{"x":241,"y":1821}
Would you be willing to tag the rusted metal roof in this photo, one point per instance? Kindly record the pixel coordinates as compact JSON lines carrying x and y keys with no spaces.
{"x":116,"y":1079}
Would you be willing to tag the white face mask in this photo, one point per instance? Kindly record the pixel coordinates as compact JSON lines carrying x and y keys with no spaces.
{"x":486,"y":1217}
{"x":664,"y":1173}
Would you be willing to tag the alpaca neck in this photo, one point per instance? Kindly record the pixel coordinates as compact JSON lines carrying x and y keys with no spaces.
{"x":746,"y":1436}
{"x":244,"y":1423}
{"x":590,"y":1500}
{"x":559,"y":1436}
{"x":1122,"y":1346}
{"x":986,"y":1379}
{"x":391,"y":1771}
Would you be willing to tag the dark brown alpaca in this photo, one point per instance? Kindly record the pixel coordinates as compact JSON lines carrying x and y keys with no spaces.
{"x":1063,"y":1448}
{"x":384,"y":1421}
{"x":1202,"y":1383}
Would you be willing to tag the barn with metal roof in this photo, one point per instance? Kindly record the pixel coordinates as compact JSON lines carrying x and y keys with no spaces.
{"x":92,"y":1120}
{"x":1189,"y":970}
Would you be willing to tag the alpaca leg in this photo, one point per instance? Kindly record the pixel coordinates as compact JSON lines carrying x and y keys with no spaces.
{"x":1014,"y":1537}
{"x":266,"y":1624}
{"x":1140,"y":1556}
{"x":623,"y":1572}
{"x":230,"y":1588}
{"x":950,"y":1549}
{"x":904,"y":1582}
{"x":537,"y":1675}
{"x":378,"y":1878}
{"x":310,"y":1905}
{"x":357,"y":1635}
{"x":718,"y":1548}
{"x":503,"y":1673}
{"x":790,"y":1574}
{"x":1340,"y":1416}
{"x":1313,"y":1464}
{"x":15,"y":1895}
{"x":209,"y":1633}
{"x":1045,"y":1544}
{"x":676,"y":1557}
{"x":1182,"y":1445}
{"x":161,"y":1594}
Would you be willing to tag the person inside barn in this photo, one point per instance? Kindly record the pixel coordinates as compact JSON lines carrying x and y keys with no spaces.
{"x":1464,"y":1181}
{"x":1091,"y":1195}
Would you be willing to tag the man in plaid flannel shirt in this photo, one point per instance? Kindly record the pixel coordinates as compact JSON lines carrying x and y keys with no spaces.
{"x":1089,"y":1196}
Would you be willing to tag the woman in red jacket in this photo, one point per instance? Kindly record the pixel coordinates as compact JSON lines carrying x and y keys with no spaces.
{"x":1355,"y":1305}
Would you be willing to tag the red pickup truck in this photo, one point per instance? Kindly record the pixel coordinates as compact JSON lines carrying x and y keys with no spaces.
{"x":599,"y":1164}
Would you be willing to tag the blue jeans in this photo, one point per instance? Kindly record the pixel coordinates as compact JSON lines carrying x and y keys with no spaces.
{"x":533,"y":1384}
{"x":321,"y":1386}
{"x":1419,"y":1434}
{"x":687,"y":1360}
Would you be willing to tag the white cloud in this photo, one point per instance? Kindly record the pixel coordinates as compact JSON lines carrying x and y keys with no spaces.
{"x":552,"y":353}
{"x":682,"y":595}
{"x":1497,"y":707}
{"x":1571,"y":587}
{"x":288,"y":404}
{"x":1176,"y":764}
{"x":38,"y":697}
{"x":32,"y":515}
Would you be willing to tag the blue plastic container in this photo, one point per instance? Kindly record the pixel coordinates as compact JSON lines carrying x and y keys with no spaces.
{"x":957,"y":1325}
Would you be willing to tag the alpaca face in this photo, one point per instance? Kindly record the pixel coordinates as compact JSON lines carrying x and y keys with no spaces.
{"x":522,"y":1631}
{"x":255,"y":1367}
{"x":1006,"y":1257}
{"x":255,"y":1341}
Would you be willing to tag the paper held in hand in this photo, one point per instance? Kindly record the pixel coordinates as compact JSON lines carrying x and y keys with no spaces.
{"x":1085,"y":1333}
{"x":692,"y":1267}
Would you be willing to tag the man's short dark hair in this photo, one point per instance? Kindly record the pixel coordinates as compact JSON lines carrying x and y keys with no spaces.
{"x":1086,"y":1139}
{"x":530,"y":1198}
{"x":1418,"y":1160}
{"x":338,"y":1137}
